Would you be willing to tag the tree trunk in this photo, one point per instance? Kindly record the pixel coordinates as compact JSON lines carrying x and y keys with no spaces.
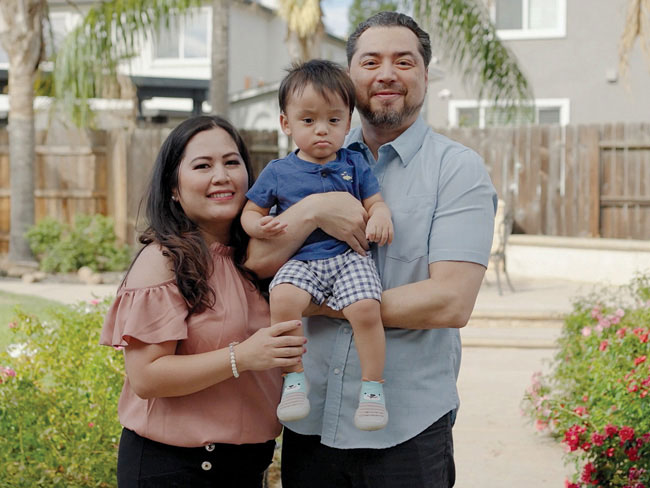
{"x":219,"y":78}
{"x":21,"y":163}
{"x":305,"y":48}
{"x":21,"y":35}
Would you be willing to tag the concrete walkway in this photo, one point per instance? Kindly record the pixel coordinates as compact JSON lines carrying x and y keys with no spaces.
{"x":509,"y":337}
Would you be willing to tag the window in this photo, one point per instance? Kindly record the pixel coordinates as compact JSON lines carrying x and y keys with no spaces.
{"x":184,"y":38}
{"x":529,"y":19}
{"x":470,"y":113}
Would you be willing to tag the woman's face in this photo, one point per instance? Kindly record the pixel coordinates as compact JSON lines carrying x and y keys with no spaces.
{"x":212,"y":183}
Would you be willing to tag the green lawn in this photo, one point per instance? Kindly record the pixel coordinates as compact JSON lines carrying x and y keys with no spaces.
{"x":28,"y":303}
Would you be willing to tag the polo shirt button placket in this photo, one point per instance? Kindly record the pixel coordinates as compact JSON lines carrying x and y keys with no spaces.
{"x":206,"y":465}
{"x":209,"y":447}
{"x":323,"y":174}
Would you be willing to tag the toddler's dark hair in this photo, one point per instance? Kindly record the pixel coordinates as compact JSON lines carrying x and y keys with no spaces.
{"x":326,"y":77}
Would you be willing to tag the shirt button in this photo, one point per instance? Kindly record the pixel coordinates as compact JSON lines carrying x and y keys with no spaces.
{"x":209,"y":447}
{"x":337,"y":371}
{"x":206,"y":465}
{"x":346,"y":330}
{"x":323,"y":174}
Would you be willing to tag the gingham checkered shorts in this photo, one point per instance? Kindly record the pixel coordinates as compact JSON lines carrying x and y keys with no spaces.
{"x":341,"y":280}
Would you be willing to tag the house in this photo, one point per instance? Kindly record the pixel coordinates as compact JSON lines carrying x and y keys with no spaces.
{"x":568,"y":50}
{"x":172,"y":71}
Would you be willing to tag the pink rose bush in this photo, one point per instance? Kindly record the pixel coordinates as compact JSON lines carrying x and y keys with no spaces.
{"x":596,"y":399}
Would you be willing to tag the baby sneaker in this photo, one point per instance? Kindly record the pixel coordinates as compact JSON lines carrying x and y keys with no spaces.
{"x":294,"y":404}
{"x":371,"y":413}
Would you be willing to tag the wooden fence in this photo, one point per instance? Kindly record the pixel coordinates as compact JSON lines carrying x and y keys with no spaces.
{"x":580,"y":181}
{"x":88,"y":172}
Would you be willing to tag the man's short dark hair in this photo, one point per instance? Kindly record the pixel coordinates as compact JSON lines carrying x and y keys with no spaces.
{"x":326,"y":77}
{"x":391,"y":19}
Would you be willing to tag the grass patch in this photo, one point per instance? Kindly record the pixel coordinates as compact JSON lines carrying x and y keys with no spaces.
{"x":28,"y":303}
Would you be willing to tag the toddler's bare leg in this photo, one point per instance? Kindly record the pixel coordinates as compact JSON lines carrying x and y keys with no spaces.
{"x":287,"y":303}
{"x":365,"y":318}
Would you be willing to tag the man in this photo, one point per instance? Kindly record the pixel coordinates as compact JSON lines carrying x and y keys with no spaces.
{"x":443,"y":206}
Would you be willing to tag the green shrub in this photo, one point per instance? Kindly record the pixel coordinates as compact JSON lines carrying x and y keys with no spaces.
{"x":58,"y":401}
{"x":596,"y":400}
{"x":91,"y":242}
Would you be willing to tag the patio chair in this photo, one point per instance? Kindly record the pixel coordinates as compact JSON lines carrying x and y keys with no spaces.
{"x":503,"y":222}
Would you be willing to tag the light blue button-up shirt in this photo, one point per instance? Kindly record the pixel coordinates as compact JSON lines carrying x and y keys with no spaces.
{"x":443,"y":206}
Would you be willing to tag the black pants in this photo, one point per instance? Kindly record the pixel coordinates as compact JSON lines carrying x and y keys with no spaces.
{"x":425,"y":461}
{"x":144,"y":463}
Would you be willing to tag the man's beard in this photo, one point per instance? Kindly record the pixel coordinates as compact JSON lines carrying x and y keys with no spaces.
{"x":386,"y":117}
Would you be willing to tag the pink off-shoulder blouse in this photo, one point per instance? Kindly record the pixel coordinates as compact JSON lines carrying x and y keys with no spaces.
{"x":235,"y":411}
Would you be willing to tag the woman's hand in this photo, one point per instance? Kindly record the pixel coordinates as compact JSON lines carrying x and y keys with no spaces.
{"x":271,"y":348}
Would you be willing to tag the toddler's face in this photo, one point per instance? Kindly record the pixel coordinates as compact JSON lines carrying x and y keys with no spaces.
{"x":317,"y":125}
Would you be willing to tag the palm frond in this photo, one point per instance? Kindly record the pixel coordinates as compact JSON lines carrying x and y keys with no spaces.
{"x":464,"y":32}
{"x":637,"y":25}
{"x":109,"y":34}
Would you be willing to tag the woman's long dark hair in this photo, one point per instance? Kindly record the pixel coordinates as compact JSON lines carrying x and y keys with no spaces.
{"x":168,"y":225}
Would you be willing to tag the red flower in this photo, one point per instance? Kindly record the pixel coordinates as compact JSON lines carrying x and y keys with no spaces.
{"x":580,"y":411}
{"x":572,"y":436}
{"x":597,"y":439}
{"x":603,"y":345}
{"x":635,"y":473}
{"x":621,"y":332}
{"x":639,"y":360}
{"x":633,"y":454}
{"x":610,"y":430}
{"x":586,"y":446}
{"x":626,"y":433}
{"x":610,"y":452}
{"x":644,"y":338}
{"x":587,"y":473}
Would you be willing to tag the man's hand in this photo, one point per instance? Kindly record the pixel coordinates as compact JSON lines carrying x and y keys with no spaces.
{"x":343,"y":217}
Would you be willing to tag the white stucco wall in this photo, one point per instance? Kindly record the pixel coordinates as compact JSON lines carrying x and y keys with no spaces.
{"x":575,"y":66}
{"x":605,"y":261}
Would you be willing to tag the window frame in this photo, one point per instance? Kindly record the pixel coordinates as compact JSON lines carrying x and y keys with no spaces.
{"x":559,"y":31}
{"x":562,"y":103}
{"x":156,"y":61}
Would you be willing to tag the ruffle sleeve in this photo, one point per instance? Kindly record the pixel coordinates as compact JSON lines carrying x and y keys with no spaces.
{"x":151,"y":315}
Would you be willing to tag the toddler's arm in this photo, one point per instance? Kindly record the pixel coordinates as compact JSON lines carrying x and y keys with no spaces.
{"x":257,"y":222}
{"x":379,"y":228}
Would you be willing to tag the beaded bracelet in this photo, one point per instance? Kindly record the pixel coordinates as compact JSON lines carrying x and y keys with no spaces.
{"x":233,"y":364}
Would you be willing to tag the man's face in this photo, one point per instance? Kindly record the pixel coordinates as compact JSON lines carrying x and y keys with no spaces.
{"x":389,"y":76}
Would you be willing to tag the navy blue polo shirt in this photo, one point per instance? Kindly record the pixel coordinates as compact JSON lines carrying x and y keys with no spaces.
{"x":286,"y":181}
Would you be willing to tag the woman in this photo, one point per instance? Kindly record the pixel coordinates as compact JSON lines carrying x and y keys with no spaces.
{"x":202,"y":366}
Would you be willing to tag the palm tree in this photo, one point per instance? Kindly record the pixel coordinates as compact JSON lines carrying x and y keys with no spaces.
{"x":305,"y":28}
{"x":219,"y":57}
{"x":21,"y":35}
{"x":111,"y":32}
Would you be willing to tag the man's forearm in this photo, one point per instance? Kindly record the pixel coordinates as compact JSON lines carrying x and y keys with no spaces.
{"x":445,"y":300}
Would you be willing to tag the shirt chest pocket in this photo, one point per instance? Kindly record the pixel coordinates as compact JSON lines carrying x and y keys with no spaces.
{"x":412,"y":219}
